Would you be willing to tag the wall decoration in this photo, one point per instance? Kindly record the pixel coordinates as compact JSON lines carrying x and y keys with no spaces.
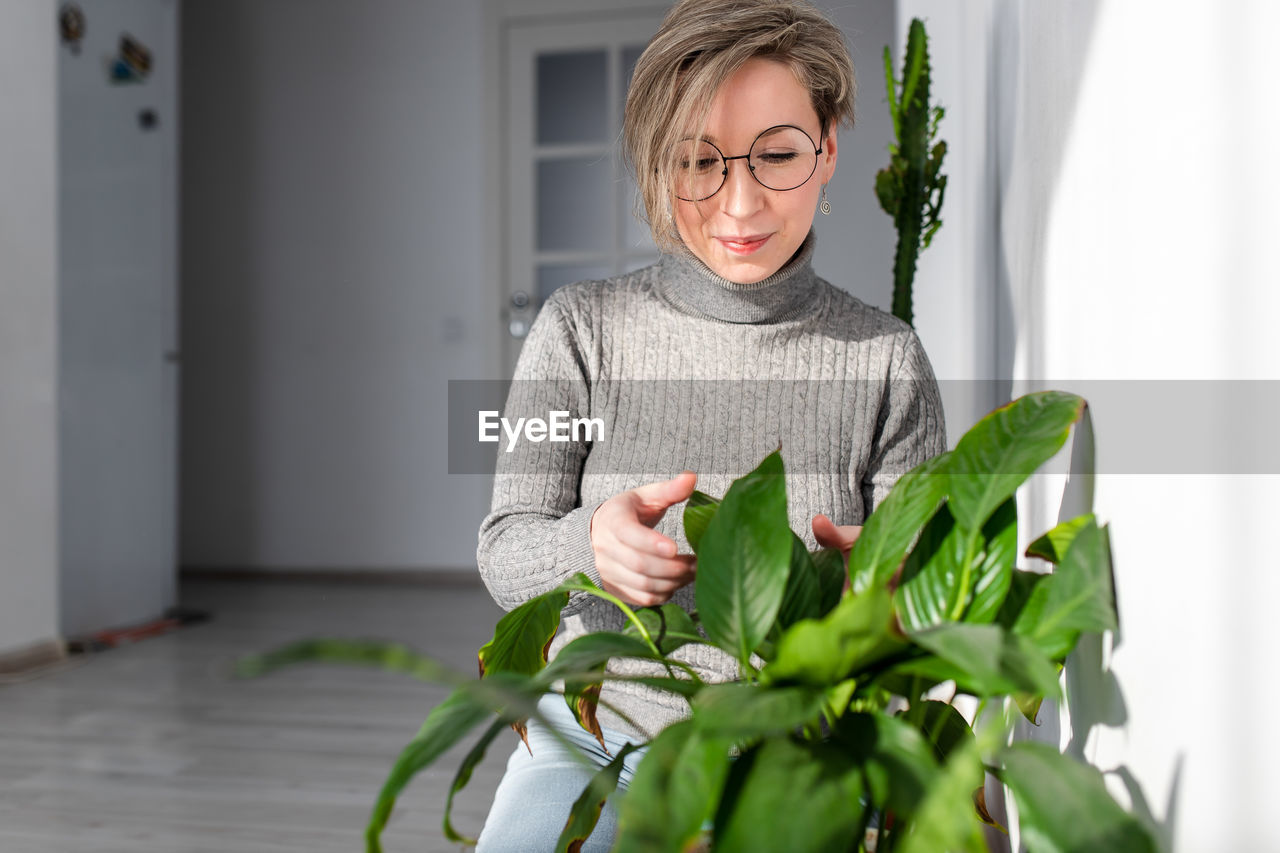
{"x":132,"y":63}
{"x":71,"y":24}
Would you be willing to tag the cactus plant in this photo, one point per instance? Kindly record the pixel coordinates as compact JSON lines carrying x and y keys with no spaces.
{"x":911,"y":187}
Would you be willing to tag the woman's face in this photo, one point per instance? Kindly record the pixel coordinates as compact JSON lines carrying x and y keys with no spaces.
{"x":747,"y":232}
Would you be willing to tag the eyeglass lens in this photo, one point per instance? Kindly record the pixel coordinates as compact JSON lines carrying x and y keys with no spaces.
{"x":781,"y":158}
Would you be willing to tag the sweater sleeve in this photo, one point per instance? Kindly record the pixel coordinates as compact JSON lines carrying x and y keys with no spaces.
{"x":911,"y":427}
{"x":536,"y":534}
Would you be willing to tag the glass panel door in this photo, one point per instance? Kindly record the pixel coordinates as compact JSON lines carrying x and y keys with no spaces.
{"x":570,"y":202}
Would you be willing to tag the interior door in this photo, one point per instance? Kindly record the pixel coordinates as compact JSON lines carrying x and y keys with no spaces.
{"x":569,"y":199}
{"x":117,"y":319}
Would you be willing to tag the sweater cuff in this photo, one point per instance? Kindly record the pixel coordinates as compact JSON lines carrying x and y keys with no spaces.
{"x":574,"y":554}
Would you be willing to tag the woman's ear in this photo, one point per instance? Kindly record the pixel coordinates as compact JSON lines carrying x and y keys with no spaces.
{"x":829,"y":151}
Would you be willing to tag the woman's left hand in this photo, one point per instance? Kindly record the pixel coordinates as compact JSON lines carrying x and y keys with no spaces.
{"x":840,"y":536}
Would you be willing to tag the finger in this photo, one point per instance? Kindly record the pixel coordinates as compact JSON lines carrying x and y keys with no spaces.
{"x":826,"y":532}
{"x":678,"y":569}
{"x":831,"y":535}
{"x":644,"y":539}
{"x":637,"y":588}
{"x":656,"y":497}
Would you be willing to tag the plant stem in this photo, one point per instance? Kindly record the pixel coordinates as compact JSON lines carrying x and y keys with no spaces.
{"x":966,"y":573}
{"x":630,"y":614}
{"x":688,"y":670}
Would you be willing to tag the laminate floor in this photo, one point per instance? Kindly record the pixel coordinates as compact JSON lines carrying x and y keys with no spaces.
{"x":156,"y":747}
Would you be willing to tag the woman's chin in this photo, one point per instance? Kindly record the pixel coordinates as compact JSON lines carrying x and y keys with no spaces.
{"x":744,"y":270}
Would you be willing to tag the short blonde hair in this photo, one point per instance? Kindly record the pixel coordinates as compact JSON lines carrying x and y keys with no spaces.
{"x":700,"y":44}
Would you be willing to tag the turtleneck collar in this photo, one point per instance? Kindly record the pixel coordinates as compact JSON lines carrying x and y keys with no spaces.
{"x":689,"y":285}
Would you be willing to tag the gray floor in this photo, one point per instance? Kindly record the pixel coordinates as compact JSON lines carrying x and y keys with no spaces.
{"x":154,"y":747}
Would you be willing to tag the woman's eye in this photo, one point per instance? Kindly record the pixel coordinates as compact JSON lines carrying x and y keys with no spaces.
{"x":777,"y":158}
{"x":702,"y":164}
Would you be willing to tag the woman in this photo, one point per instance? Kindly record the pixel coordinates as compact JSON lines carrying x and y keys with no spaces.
{"x":731,"y":127}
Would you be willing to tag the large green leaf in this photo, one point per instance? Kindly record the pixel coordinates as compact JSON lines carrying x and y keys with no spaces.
{"x":832,"y":575}
{"x":585,"y":812}
{"x":1064,"y":807}
{"x":985,"y":660}
{"x":941,"y":564}
{"x":589,"y":651}
{"x":521,"y":638}
{"x":898,"y":765}
{"x":698,"y":512}
{"x":463,"y":776}
{"x":826,"y":651}
{"x":743,"y":560}
{"x":889,"y":531}
{"x":392,"y":657}
{"x":1004,"y":448}
{"x":1021,"y":586}
{"x":945,"y":729}
{"x":790,"y":795}
{"x":946,"y":819}
{"x":993,"y":570}
{"x":931,"y":574}
{"x":1077,"y":597}
{"x":744,"y":711}
{"x":814,"y":583}
{"x":801,"y":598}
{"x":674,"y":790}
{"x":447,"y":724}
{"x":1054,"y":544}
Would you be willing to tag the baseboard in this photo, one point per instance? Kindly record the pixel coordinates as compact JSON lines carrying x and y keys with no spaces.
{"x":35,"y":656}
{"x":439,"y":577}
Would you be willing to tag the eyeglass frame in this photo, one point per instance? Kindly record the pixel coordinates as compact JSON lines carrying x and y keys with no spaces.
{"x":724,"y":175}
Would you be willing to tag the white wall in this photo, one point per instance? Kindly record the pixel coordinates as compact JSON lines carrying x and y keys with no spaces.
{"x":332,"y":239}
{"x":1134,"y":191}
{"x":28,"y":328}
{"x":856,"y":242}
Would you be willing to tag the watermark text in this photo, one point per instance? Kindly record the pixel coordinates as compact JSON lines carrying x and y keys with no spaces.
{"x":557,"y":427}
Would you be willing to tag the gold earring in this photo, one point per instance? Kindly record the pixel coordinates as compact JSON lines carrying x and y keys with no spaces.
{"x":825,"y":207}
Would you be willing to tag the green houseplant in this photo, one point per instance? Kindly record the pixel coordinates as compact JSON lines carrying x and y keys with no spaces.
{"x":806,"y":752}
{"x":911,"y":187}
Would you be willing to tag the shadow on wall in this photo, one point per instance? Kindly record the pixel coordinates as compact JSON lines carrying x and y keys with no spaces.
{"x":1034,"y":68}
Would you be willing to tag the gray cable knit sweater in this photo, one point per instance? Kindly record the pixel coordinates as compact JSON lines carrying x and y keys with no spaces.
{"x":687,"y":370}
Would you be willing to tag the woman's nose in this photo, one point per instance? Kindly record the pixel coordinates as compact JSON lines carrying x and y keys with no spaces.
{"x":743,"y":194}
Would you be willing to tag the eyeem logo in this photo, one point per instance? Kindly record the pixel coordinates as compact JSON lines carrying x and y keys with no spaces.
{"x":558,"y":427}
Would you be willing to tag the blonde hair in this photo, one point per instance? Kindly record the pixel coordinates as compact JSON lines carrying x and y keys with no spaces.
{"x":700,"y":44}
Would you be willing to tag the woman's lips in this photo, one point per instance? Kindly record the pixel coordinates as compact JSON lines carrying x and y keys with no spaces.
{"x":744,"y":245}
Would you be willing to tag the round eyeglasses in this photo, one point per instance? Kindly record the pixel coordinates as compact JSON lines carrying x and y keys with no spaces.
{"x":781,"y":158}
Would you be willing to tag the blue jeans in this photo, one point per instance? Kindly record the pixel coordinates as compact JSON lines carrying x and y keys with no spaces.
{"x":532,"y":803}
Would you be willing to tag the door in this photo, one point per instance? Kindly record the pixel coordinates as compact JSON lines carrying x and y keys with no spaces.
{"x":569,"y":200}
{"x":117,"y":314}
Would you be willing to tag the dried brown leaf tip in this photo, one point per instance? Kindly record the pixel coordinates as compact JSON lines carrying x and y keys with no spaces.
{"x":521,"y":728}
{"x":588,"y":701}
{"x":980,"y":804}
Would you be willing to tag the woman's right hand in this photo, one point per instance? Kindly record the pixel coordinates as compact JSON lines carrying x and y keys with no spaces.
{"x":637,"y":563}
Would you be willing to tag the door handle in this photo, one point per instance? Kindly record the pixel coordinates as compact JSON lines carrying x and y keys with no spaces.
{"x":519,"y":324}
